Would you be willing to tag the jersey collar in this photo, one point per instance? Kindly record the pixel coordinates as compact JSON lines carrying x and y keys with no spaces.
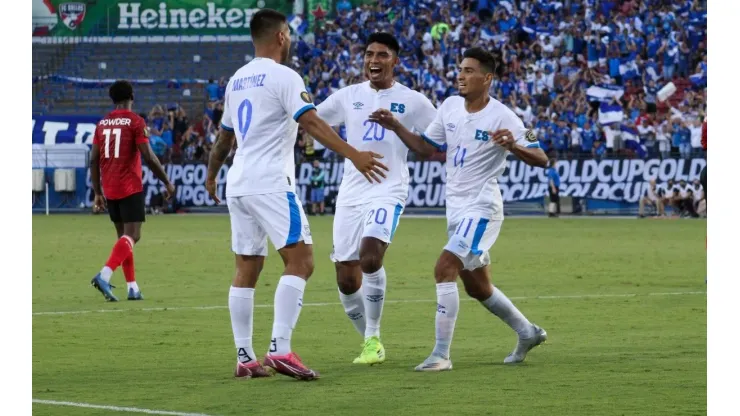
{"x":381,"y":92}
{"x":261,"y":58}
{"x":479,"y":114}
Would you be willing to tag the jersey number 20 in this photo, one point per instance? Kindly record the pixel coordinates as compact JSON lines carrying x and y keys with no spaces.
{"x":378,"y":131}
{"x":116,"y":138}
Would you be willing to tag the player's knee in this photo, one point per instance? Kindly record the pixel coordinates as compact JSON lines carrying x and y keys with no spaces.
{"x":349,"y":278}
{"x":447,"y":268}
{"x":370,"y":262}
{"x":347,"y":284}
{"x":134,"y":235}
{"x":301,"y":266}
{"x":306,"y":266}
{"x":371,"y":254}
{"x":477,"y":291}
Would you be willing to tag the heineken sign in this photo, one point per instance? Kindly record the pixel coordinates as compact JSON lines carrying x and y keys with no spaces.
{"x":134,"y":16}
{"x":148,"y":17}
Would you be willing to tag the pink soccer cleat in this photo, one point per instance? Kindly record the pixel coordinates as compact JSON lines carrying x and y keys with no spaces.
{"x":290,"y":365}
{"x":252,"y":369}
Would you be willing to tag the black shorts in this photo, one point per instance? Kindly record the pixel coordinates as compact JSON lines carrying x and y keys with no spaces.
{"x":703,"y":180}
{"x":128,"y":209}
{"x":554,"y":197}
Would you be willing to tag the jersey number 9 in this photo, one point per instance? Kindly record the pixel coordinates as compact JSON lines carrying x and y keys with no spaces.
{"x":245,"y":117}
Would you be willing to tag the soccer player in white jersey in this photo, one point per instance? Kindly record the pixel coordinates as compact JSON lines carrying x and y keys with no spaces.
{"x":478,"y":133}
{"x":367,"y":214}
{"x":264,"y":104}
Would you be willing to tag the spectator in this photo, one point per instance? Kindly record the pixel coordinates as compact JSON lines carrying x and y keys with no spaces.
{"x":553,"y":187}
{"x":651,"y":198}
{"x":551,"y":53}
{"x":696,"y":130}
{"x":212,"y":91}
{"x":318,"y":180}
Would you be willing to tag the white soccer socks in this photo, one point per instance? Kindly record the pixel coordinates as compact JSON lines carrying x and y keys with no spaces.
{"x":288,"y":303}
{"x":354,"y":307}
{"x":448,"y":304}
{"x":502,"y":307}
{"x":373,"y":290}
{"x":241,"y":308}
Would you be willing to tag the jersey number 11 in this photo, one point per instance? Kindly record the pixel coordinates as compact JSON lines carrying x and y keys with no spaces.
{"x":117,"y":138}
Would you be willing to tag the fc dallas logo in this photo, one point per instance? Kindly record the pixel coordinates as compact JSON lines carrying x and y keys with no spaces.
{"x":72,"y":14}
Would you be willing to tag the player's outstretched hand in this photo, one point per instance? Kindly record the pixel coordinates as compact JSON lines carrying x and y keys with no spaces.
{"x":169,"y":191}
{"x":99,"y":204}
{"x":211,"y":189}
{"x":503,"y":138}
{"x":367,"y":163}
{"x":385,"y":118}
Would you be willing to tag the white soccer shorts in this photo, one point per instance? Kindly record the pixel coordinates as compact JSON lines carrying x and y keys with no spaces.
{"x":471,"y":235}
{"x":279,"y":216}
{"x":353,"y":223}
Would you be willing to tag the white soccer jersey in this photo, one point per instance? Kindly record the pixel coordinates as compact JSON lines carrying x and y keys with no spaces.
{"x":352,"y":105}
{"x":263,"y":101}
{"x":474,"y":162}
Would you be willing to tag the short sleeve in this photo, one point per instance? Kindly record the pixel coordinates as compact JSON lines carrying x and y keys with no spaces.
{"x":522,"y":135}
{"x":293,"y":95}
{"x":226,"y":121}
{"x":332,"y":109}
{"x":424,"y":113}
{"x":141,"y":132}
{"x":435,"y":133}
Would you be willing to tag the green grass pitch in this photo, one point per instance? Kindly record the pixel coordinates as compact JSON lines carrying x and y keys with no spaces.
{"x":609,"y":352}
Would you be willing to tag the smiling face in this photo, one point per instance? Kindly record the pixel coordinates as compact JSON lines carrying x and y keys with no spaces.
{"x":473,"y":79}
{"x":379,"y":63}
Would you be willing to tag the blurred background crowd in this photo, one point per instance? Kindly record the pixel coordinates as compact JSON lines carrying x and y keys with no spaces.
{"x":585,"y":75}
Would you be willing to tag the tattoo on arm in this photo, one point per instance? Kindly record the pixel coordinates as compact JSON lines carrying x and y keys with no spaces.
{"x":219,"y":152}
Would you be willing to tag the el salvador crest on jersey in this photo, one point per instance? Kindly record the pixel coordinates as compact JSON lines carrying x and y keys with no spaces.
{"x":72,"y":14}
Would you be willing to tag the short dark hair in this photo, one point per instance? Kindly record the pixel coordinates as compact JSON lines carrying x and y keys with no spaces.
{"x":266,"y":22}
{"x":121,"y":91}
{"x":384,"y":38}
{"x":486,"y":59}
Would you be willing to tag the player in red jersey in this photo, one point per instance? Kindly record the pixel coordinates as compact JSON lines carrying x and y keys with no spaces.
{"x":121,"y":140}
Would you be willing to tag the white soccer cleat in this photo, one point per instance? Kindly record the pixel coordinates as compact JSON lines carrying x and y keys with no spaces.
{"x":524,"y":345}
{"x":435,"y":363}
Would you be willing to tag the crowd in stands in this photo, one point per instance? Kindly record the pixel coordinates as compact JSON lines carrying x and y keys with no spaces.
{"x":551,"y":53}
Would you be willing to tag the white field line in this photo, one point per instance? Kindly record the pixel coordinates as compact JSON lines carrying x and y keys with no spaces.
{"x":203,"y":308}
{"x":116,"y":408}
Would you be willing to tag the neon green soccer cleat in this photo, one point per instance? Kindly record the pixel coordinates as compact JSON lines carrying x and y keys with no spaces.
{"x":372,"y":352}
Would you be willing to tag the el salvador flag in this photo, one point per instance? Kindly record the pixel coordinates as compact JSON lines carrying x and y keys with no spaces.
{"x":632,"y":140}
{"x":610,"y":113}
{"x":297,"y":24}
{"x":487,"y":35}
{"x":699,"y":79}
{"x":604,"y":93}
{"x":628,"y":67}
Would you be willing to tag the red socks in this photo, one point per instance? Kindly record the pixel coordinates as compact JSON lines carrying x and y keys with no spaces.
{"x":122,"y":250}
{"x":128,"y":268}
